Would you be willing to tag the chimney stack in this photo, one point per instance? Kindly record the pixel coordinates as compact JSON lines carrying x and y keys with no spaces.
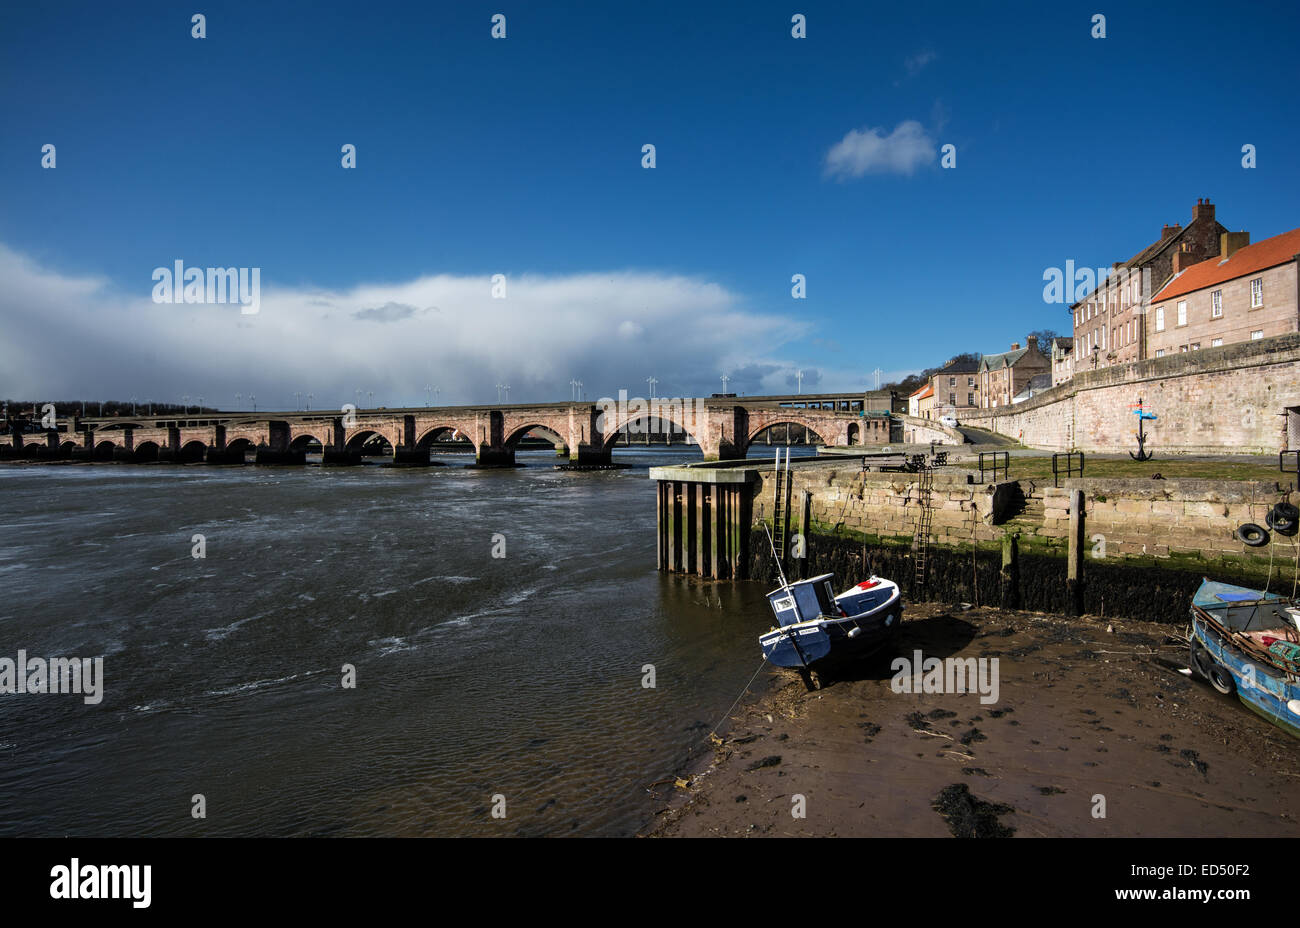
{"x":1015,"y":346}
{"x":1184,"y":258}
{"x":1203,"y":209}
{"x":1170,"y":230}
{"x":1031,"y":342}
{"x":1230,"y":242}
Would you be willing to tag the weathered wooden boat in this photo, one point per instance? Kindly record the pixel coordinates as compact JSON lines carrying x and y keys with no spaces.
{"x":815,"y":627}
{"x":1247,"y":642}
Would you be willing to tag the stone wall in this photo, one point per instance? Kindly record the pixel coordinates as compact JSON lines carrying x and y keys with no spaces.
{"x":1232,"y":399}
{"x":1187,"y":520}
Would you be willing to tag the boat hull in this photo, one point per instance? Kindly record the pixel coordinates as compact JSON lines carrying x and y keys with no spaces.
{"x":1265,"y":690}
{"x":828,"y":640}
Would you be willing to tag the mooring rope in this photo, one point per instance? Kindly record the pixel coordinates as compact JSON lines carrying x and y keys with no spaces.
{"x":726,"y":715}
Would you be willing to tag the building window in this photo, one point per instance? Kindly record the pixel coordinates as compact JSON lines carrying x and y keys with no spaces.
{"x":1160,"y":318}
{"x":1216,"y":304}
{"x":970,"y":399}
{"x":970,"y":381}
{"x":1216,"y":342}
{"x":1182,"y":312}
{"x":1196,"y":346}
{"x":952,"y":399}
{"x":952,"y":381}
{"x":1257,"y":293}
{"x":1256,"y":335}
{"x":1160,"y":352}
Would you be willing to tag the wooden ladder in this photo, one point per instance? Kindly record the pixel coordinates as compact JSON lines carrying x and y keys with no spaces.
{"x":780,"y":517}
{"x":924,"y":519}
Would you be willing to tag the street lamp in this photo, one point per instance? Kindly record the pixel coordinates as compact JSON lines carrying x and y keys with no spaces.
{"x":297,"y":400}
{"x":725,"y":378}
{"x":652,"y":380}
{"x":309,"y":399}
{"x":798,"y":376}
{"x":252,"y":399}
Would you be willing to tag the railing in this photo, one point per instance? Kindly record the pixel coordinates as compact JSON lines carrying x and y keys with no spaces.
{"x":1069,"y":457}
{"x":998,"y":460}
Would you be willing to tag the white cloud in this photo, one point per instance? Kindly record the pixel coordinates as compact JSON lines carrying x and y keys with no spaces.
{"x":69,"y":337}
{"x":870,"y":151}
{"x":916,"y":63}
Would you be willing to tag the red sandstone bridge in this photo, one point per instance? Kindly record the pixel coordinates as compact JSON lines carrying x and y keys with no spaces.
{"x":722,"y":427}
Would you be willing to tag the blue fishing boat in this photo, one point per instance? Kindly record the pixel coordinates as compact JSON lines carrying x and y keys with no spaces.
{"x":1247,"y":642}
{"x":815,"y":627}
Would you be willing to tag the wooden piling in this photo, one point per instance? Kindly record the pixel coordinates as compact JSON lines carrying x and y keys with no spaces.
{"x":1010,"y":574}
{"x":1074,"y":556}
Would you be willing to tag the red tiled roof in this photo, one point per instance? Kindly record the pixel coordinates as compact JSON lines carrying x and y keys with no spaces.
{"x":1262,"y":255}
{"x":922,"y":393}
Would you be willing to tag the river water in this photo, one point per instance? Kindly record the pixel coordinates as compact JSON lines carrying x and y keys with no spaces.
{"x":475,"y":676}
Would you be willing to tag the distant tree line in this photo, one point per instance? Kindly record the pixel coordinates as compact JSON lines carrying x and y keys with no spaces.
{"x":33,"y":408}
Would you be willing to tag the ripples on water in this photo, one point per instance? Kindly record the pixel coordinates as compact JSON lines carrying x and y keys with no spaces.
{"x":475,"y":675}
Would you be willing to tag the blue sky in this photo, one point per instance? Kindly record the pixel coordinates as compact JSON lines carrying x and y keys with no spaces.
{"x":522,"y":157}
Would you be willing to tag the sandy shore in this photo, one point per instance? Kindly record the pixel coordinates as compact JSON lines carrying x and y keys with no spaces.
{"x":1082,"y":712}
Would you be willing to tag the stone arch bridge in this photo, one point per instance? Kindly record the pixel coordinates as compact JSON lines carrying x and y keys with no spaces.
{"x":584,"y":432}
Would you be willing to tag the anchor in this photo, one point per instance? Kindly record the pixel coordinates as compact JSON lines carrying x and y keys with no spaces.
{"x":1142,"y":454}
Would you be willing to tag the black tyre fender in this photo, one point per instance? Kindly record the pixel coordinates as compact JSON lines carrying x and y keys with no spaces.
{"x":1221,"y":680}
{"x":1252,"y":535}
{"x":1201,"y":660}
{"x":1284,"y":518}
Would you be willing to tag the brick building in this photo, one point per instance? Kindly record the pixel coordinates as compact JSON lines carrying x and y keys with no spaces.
{"x":1002,"y":376}
{"x":1246,"y":292}
{"x":956,"y":388}
{"x":1108,"y":322}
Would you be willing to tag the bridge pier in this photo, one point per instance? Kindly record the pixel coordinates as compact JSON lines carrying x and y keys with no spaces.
{"x":489,"y":456}
{"x":590,"y":454}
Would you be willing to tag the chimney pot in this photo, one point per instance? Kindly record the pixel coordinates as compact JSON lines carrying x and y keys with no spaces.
{"x":1015,"y":346}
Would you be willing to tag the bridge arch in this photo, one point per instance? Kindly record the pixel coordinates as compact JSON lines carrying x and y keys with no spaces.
{"x":550,"y":434}
{"x":673,"y":421}
{"x":238,"y":447}
{"x":442,"y":433}
{"x":192,"y":452}
{"x":370,"y":440}
{"x":818,"y":430}
{"x":145,"y":452}
{"x":297,"y":434}
{"x":366,"y":433}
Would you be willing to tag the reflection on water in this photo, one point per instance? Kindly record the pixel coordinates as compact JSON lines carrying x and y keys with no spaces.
{"x":475,"y":675}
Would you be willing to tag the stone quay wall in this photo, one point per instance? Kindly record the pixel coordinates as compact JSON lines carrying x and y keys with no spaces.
{"x":1231,"y":399}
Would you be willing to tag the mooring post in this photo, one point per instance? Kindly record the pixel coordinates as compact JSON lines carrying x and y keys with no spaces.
{"x":715,"y":530}
{"x":1010,"y":571}
{"x":1074,"y":568}
{"x":805,"y":534}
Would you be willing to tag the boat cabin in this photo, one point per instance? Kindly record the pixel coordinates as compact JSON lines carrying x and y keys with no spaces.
{"x":804,"y":600}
